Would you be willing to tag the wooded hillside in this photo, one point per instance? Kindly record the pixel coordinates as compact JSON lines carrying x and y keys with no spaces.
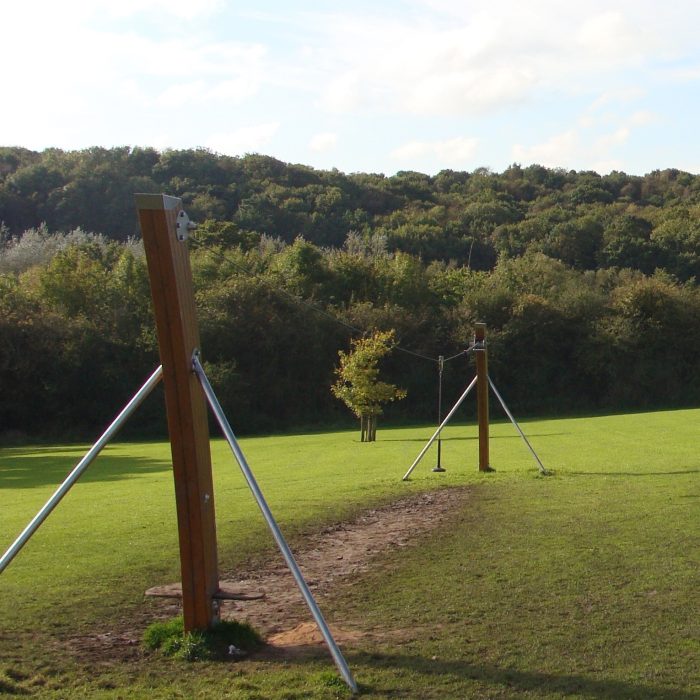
{"x":587,"y":283}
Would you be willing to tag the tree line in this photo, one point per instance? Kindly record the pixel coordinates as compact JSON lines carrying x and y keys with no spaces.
{"x":587,"y":284}
{"x":585,"y":220}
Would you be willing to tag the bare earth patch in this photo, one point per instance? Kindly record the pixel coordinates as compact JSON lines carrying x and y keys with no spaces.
{"x":332,"y":557}
{"x":328,"y":559}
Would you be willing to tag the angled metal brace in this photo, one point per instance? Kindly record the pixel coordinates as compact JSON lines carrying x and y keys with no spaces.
{"x":78,"y":470}
{"x":439,"y":430}
{"x":540,"y":466}
{"x":272,"y":524}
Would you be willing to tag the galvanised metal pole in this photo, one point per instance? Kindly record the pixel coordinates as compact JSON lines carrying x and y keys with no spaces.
{"x":272,"y":524}
{"x":441,"y":364}
{"x":517,"y":427}
{"x":439,"y":430}
{"x":78,"y":470}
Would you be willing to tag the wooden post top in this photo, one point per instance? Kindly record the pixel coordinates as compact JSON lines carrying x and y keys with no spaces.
{"x":157,"y":202}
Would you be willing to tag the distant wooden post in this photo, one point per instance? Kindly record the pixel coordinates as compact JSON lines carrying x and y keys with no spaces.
{"x":482,"y":395}
{"x":178,"y":338}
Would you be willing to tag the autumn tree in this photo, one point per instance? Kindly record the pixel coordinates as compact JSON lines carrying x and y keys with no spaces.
{"x":358,"y":385}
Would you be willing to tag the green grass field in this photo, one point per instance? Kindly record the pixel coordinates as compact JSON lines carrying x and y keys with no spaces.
{"x":583,"y":584}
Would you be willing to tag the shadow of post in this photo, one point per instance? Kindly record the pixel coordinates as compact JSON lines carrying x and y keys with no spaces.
{"x":517,"y":682}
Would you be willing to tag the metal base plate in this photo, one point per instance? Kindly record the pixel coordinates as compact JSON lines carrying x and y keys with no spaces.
{"x":227,"y":591}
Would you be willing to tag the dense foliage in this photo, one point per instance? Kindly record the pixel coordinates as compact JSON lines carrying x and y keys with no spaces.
{"x":587,"y":284}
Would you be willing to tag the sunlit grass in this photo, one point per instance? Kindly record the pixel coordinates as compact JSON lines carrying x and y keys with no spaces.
{"x":581,"y":584}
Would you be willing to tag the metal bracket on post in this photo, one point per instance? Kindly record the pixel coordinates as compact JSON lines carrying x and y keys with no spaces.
{"x":183,"y":226}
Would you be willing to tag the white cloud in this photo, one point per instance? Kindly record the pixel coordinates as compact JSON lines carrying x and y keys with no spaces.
{"x":75,"y":56}
{"x":235,"y":90}
{"x":467,"y":91}
{"x":394,"y":66}
{"x":629,"y":93}
{"x":80,"y":11}
{"x":607,"y":141}
{"x":198,"y":92}
{"x":249,"y":139}
{"x":592,"y":144}
{"x":192,"y":57}
{"x":558,"y":151}
{"x":180,"y":94}
{"x":452,"y":152}
{"x":614,"y":35}
{"x":643,"y":117}
{"x":343,"y":94}
{"x":465,"y":59}
{"x":180,"y":9}
{"x":685,"y":74}
{"x":323,"y":142}
{"x":94,"y":77}
{"x":113,"y":73}
{"x":412,"y":150}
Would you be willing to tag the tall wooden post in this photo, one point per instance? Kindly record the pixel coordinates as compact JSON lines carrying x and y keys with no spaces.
{"x":482,"y":395}
{"x":178,"y":338}
{"x":441,"y":366}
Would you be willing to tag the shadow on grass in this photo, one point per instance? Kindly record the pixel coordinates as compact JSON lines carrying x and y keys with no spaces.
{"x":471,"y":438}
{"x":677,"y":472}
{"x":516,"y":681}
{"x":40,"y":467}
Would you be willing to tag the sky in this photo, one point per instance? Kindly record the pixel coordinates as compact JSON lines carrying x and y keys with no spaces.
{"x":361,"y":86}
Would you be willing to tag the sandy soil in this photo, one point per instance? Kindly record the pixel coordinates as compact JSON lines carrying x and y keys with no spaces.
{"x":330,"y":558}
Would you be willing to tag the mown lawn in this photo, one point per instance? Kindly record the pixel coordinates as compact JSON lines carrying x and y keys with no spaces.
{"x":583,"y":584}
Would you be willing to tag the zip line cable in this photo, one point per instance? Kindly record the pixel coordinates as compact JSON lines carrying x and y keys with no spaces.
{"x":309,"y":305}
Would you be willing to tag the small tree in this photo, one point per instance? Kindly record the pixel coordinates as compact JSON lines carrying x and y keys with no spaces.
{"x":358,"y":386}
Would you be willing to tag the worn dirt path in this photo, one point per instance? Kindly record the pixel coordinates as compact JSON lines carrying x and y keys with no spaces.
{"x":328,"y":559}
{"x":333,"y":557}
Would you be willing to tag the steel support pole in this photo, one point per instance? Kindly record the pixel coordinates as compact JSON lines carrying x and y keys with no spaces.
{"x":79,"y":468}
{"x":439,"y":430}
{"x":540,"y":466}
{"x":272,"y":524}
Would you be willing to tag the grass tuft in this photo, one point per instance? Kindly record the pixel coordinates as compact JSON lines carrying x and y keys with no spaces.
{"x":159,"y":634}
{"x":226,"y":640}
{"x":332,"y":681}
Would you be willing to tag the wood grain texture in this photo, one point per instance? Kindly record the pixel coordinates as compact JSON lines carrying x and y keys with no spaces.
{"x":178,"y":338}
{"x":482,"y":396}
